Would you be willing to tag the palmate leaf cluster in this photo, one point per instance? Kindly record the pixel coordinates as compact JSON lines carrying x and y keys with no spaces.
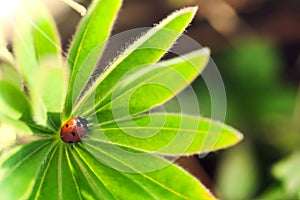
{"x":40,"y":90}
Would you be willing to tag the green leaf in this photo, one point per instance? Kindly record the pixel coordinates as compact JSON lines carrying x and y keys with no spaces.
{"x":56,"y":176}
{"x":44,"y":180}
{"x":74,"y":173}
{"x":88,"y":44}
{"x":238,"y":165}
{"x":50,"y":88}
{"x":145,"y":51}
{"x":25,"y":54}
{"x":50,"y":81}
{"x":287,"y":171}
{"x":152,"y":86}
{"x":13,"y":102}
{"x":169,"y":182}
{"x":38,"y":52}
{"x":46,"y":37}
{"x":18,"y":126}
{"x":165,"y":133}
{"x":20,"y":170}
{"x":8,"y":136}
{"x":24,"y":49}
{"x":94,"y":176}
{"x":10,"y":74}
{"x":67,"y":179}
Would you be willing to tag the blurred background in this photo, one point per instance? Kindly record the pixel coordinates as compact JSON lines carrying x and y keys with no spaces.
{"x":256,"y":46}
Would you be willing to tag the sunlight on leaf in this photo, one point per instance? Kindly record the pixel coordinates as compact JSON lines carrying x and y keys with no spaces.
{"x":37,"y":44}
{"x":10,"y":74}
{"x":165,"y":133}
{"x":18,"y":126}
{"x":46,"y":37}
{"x":13,"y":102}
{"x":91,"y":35}
{"x":152,"y":86}
{"x":145,"y":51}
{"x":51,"y":85}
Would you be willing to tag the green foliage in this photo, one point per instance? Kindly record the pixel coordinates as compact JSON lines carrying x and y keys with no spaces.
{"x":46,"y":37}
{"x":238,"y":173}
{"x":13,"y":102}
{"x":114,"y":160}
{"x":10,"y":74}
{"x":167,"y":134}
{"x":145,"y":51}
{"x":261,"y":102}
{"x":249,"y":58}
{"x":287,"y":171}
{"x":19,"y":171}
{"x":38,"y":55}
{"x":153,"y":86}
{"x":88,"y":44}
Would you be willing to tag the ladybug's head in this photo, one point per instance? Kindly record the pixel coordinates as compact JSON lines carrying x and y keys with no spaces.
{"x":83,"y":122}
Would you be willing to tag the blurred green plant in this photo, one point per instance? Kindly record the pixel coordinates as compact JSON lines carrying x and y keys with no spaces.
{"x":287,"y":171}
{"x":40,"y":90}
{"x":287,"y":174}
{"x":262,"y":104}
{"x":238,"y":167}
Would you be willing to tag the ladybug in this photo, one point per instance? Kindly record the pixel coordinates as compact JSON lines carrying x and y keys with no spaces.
{"x":74,"y":129}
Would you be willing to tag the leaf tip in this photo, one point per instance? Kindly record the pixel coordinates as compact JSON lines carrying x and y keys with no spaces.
{"x":191,"y":9}
{"x":194,"y":8}
{"x":239,"y":136}
{"x":206,"y":50}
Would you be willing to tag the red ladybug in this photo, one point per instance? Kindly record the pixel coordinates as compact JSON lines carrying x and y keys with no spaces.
{"x":73,"y":130}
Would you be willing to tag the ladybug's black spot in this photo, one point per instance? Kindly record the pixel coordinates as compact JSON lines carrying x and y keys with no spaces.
{"x":73,"y":134}
{"x":67,"y":125}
